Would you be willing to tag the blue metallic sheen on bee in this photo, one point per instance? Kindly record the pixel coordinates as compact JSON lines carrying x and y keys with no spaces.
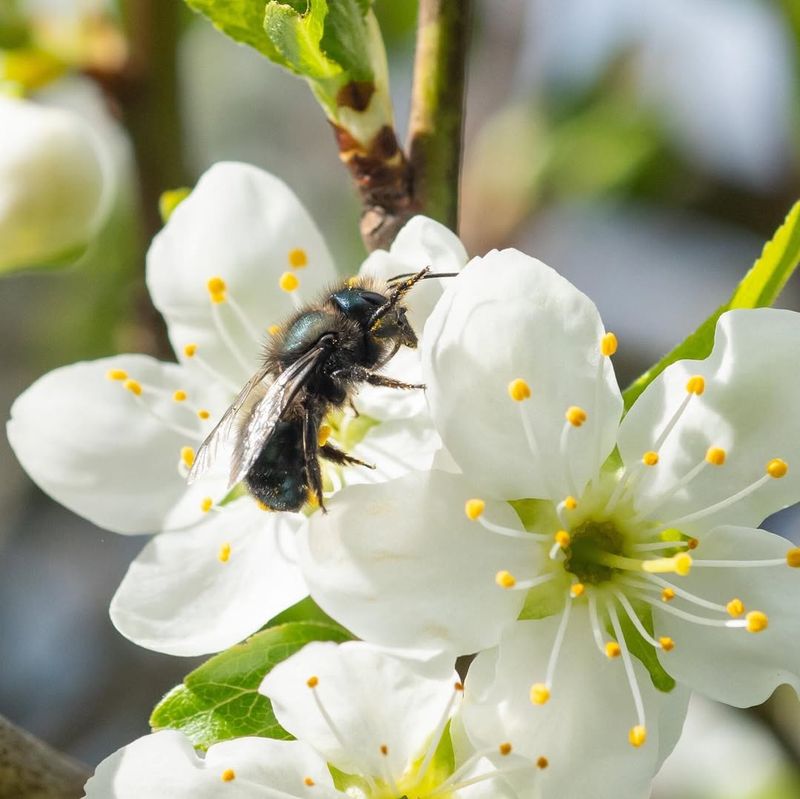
{"x":312,"y":365}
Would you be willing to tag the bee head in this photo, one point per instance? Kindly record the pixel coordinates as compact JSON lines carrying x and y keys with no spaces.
{"x":381,"y":317}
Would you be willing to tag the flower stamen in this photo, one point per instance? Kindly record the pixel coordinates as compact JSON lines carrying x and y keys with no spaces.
{"x":540,"y":692}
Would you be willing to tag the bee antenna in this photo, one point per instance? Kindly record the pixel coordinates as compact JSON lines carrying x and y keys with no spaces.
{"x":427,"y":276}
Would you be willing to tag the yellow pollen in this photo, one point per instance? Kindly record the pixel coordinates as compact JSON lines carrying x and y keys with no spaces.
{"x":570,"y":503}
{"x":650,"y":458}
{"x":692,"y":543}
{"x":562,"y":538}
{"x":637,"y":735}
{"x":288,"y":281}
{"x":180,"y":395}
{"x":575,"y":416}
{"x":474,"y":508}
{"x":612,"y":650}
{"x":505,"y":579}
{"x":273,"y":330}
{"x":667,"y":644}
{"x":540,"y":693}
{"x":190,"y":350}
{"x":351,"y":281}
{"x":542,"y":762}
{"x":608,"y":344}
{"x":459,"y":686}
{"x":216,"y":289}
{"x":309,"y":782}
{"x":793,"y":558}
{"x":312,"y":499}
{"x":384,"y":750}
{"x":324,"y":434}
{"x":667,"y":595}
{"x":576,"y":590}
{"x":683,"y":564}
{"x":716,"y":456}
{"x":228,"y":775}
{"x":187,"y":456}
{"x":312,"y":682}
{"x":134,"y":386}
{"x":224,"y":553}
{"x":263,"y":506}
{"x":504,"y":749}
{"x":756,"y":621}
{"x":206,"y":504}
{"x":735,"y":608}
{"x":777,"y":468}
{"x":519,"y":390}
{"x":298,"y":258}
{"x":696,"y":385}
{"x":678,"y":564}
{"x":203,"y":413}
{"x":117,"y":374}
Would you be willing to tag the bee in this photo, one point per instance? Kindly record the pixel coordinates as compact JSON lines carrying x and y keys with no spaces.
{"x":313,"y":365}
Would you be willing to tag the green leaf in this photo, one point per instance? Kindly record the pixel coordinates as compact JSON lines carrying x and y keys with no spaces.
{"x":644,"y":651}
{"x":759,"y":288}
{"x":305,"y":610}
{"x":220,"y":700}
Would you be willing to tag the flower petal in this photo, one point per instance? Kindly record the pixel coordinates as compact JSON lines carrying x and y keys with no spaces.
{"x":752,"y":386}
{"x":372,"y":699}
{"x":110,"y":455}
{"x":247,"y":227}
{"x":734,"y":666}
{"x":202,"y":590}
{"x":164,"y":765}
{"x":399,"y":564}
{"x":509,"y":316}
{"x":586,"y":721}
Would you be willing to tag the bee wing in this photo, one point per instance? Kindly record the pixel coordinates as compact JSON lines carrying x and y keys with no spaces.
{"x":207,"y":452}
{"x":267,"y":413}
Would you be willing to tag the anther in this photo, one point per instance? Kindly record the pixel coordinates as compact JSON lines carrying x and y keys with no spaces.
{"x":288,"y":282}
{"x":203,"y":414}
{"x":542,"y":762}
{"x":384,"y":750}
{"x":793,"y":558}
{"x":562,"y":538}
{"x":273,"y":330}
{"x":179,"y":396}
{"x":667,"y":595}
{"x":575,"y":416}
{"x":756,"y":621}
{"x":459,"y":686}
{"x":570,"y":503}
{"x":309,"y":782}
{"x":735,"y":608}
{"x":505,"y":579}
{"x":576,"y":590}
{"x":224,"y":553}
{"x":612,"y":650}
{"x":117,"y":374}
{"x":696,"y":385}
{"x":324,"y":434}
{"x":474,"y":508}
{"x":637,"y":735}
{"x":190,"y":350}
{"x":692,"y":543}
{"x":228,"y":775}
{"x":777,"y":468}
{"x":650,"y":458}
{"x":504,"y":749}
{"x":313,"y":681}
{"x":608,"y":345}
{"x":678,"y":564}
{"x":187,"y":457}
{"x":134,"y":386}
{"x":519,"y":390}
{"x":715,"y":456}
{"x":667,"y":644}
{"x":298,"y":258}
{"x":216,"y":289}
{"x":540,"y":693}
{"x":206,"y":504}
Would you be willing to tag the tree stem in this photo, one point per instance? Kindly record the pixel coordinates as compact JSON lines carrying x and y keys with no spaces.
{"x":435,"y":135}
{"x":30,"y":769}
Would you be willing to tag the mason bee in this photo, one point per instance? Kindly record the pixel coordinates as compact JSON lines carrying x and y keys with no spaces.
{"x":313,"y":365}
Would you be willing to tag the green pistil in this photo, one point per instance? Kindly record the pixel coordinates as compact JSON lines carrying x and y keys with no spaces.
{"x":588,"y":544}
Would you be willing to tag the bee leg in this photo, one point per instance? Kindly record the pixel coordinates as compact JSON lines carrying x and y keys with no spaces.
{"x":397,"y":293}
{"x":310,"y":449}
{"x":335,"y":455}
{"x":353,"y":408}
{"x":358,"y":374}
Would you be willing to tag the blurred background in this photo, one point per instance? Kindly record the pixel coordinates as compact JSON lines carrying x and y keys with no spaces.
{"x":644,"y":148}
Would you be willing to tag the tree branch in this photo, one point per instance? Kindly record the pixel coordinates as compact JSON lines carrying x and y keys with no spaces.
{"x":30,"y":769}
{"x":435,"y":135}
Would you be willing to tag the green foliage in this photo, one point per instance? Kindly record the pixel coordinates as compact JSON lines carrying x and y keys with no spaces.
{"x":644,"y":651}
{"x":759,"y":288}
{"x":220,"y":700}
{"x":241,"y":20}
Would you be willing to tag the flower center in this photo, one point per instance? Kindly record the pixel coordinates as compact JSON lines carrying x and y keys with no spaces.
{"x":587,"y":544}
